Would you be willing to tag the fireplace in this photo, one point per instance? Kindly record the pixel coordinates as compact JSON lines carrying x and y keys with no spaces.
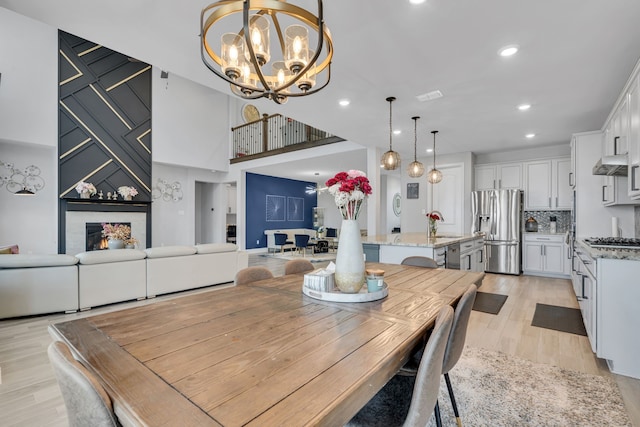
{"x":93,"y":237}
{"x":81,"y":223}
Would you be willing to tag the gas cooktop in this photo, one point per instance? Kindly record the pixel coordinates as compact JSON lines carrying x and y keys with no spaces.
{"x":613,"y":242}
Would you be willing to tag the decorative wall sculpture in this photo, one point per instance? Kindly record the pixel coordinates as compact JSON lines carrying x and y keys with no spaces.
{"x":15,"y":179}
{"x":168,"y":192}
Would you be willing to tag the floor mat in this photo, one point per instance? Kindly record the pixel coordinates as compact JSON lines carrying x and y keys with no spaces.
{"x":489,"y":303}
{"x":563,"y":319}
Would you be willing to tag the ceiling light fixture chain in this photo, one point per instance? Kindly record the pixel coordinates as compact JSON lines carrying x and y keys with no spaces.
{"x":435,"y":176}
{"x":244,"y":55}
{"x":391,"y":159}
{"x":416,"y":169}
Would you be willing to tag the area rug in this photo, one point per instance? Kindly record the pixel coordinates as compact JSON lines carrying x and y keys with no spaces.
{"x":563,"y":319}
{"x":489,"y":303}
{"x":494,"y":389}
{"x":315,"y":258}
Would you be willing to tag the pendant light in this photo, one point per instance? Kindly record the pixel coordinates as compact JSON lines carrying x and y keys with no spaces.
{"x":391,"y":159}
{"x":416,"y":169}
{"x":435,"y":176}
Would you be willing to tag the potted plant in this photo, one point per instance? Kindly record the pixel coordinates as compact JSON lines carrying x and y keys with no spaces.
{"x":127,"y":192}
{"x":116,"y":234}
{"x":85,"y":189}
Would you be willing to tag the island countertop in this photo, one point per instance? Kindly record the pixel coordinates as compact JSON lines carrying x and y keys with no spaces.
{"x":418,"y":239}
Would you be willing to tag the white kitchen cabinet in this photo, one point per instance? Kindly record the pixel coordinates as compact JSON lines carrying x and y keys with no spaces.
{"x":472,"y":255}
{"x":498,"y":176}
{"x":547,"y":184}
{"x":544,"y":255}
{"x":572,"y":167}
{"x":633,"y":180}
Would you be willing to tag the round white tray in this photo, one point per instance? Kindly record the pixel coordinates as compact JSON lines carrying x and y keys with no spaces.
{"x":337,"y":296}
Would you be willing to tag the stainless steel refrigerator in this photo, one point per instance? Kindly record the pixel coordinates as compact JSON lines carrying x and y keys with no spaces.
{"x":498,"y":214}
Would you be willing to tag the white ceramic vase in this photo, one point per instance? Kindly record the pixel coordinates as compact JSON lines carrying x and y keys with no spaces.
{"x":349,"y":276}
{"x":85,"y":195}
{"x":116,"y":244}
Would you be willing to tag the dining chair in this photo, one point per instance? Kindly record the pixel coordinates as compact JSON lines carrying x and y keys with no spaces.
{"x":87,"y":403}
{"x":252,"y":274}
{"x":420,"y":261}
{"x":455,"y":344}
{"x":302,"y":243}
{"x":332,"y":237}
{"x":424,"y":399}
{"x":297,"y":266}
{"x":281,"y":241}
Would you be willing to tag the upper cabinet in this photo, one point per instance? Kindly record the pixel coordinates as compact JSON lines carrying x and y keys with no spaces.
{"x":634,"y":140}
{"x":547,"y":184}
{"x":498,"y":176}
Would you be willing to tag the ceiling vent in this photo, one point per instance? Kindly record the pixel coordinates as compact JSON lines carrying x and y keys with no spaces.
{"x":429,"y":96}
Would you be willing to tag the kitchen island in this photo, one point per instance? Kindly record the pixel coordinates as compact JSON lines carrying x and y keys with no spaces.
{"x":393,"y":248}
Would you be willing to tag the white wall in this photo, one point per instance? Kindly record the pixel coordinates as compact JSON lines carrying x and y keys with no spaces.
{"x":29,"y":84}
{"x":190,"y":124}
{"x":31,"y":222}
{"x":393,"y":185}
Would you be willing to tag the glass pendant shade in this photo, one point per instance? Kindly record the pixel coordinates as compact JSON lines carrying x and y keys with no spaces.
{"x":434,"y":176}
{"x":416,"y":169}
{"x":391,"y":159}
{"x":259,"y":36}
{"x":296,"y":48}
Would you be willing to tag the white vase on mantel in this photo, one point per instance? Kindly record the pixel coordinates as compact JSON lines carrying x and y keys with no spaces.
{"x":349,"y":276}
{"x":85,"y":195}
{"x":116,"y":244}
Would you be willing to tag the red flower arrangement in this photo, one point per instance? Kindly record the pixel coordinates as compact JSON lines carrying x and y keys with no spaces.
{"x":349,"y":189}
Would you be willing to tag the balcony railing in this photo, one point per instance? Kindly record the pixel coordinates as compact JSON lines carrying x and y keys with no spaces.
{"x":275,"y":134}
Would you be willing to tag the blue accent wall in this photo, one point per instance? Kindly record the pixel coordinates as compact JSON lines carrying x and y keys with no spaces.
{"x":276,"y":203}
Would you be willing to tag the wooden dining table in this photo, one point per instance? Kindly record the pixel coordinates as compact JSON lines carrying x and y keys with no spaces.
{"x":262,"y":354}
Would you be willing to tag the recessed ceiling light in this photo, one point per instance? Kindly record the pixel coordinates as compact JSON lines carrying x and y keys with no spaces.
{"x":417,"y":1}
{"x":524,"y":107}
{"x":344,"y":102}
{"x":508,"y":50}
{"x":530,"y":135}
{"x":397,"y":132}
{"x":429,"y":150}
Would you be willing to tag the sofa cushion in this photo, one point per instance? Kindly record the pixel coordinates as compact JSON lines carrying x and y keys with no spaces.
{"x":111,"y":255}
{"x":36,"y":260}
{"x":211,"y":248}
{"x":169,"y":251}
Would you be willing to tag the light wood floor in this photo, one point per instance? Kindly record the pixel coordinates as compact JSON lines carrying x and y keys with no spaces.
{"x":29,"y":395}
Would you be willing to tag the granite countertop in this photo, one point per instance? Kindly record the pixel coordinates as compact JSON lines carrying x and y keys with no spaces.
{"x":418,"y":239}
{"x":629,"y":254}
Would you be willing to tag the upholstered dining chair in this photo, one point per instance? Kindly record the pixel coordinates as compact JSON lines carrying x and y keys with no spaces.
{"x":332,"y":237}
{"x":420,"y":261}
{"x":425,"y":389}
{"x":86,"y":401}
{"x":252,"y":274}
{"x":455,"y":343}
{"x":302,"y":243}
{"x":298,"y":266}
{"x":281,"y":241}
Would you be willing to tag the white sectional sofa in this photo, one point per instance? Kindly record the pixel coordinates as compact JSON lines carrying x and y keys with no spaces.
{"x":105,"y":277}
{"x":290,"y":232}
{"x":177,"y":268}
{"x":37,"y":284}
{"x":40,"y":284}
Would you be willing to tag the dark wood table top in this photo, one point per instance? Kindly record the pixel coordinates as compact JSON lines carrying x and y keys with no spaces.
{"x":262,"y":354}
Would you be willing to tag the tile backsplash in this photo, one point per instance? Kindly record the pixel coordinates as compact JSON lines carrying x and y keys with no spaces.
{"x":563,"y":220}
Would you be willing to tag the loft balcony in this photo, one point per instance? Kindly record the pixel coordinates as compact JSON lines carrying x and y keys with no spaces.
{"x":275,"y":134}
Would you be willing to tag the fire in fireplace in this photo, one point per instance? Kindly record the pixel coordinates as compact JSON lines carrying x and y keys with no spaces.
{"x":94,"y":239}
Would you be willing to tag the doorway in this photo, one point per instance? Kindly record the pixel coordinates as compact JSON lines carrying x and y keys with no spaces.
{"x":204,"y":212}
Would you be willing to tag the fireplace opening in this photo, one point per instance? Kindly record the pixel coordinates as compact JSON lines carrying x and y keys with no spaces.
{"x":94,"y":239}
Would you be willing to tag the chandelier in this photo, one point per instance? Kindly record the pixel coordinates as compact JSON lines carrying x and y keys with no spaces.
{"x":391,"y":159}
{"x":246,"y":48}
{"x":416,"y":169}
{"x":434,"y":176}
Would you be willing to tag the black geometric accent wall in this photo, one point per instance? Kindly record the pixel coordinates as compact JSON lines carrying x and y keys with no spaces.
{"x":104,"y":119}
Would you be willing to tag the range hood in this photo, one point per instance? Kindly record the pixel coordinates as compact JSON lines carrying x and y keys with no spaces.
{"x":612,"y":165}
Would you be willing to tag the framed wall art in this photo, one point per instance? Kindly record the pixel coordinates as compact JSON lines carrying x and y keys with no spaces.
{"x":412,"y":190}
